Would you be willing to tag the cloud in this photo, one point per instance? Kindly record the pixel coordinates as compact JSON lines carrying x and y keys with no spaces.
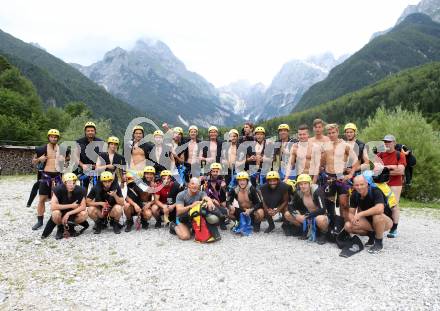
{"x":222,"y":40}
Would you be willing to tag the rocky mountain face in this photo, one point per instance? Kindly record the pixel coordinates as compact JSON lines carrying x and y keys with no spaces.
{"x":151,"y":78}
{"x":257,"y":103}
{"x":427,"y":7}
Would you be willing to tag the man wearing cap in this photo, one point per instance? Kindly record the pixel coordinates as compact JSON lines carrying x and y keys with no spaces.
{"x":49,"y":160}
{"x":89,"y":148}
{"x":275,"y":198}
{"x":305,"y":156}
{"x":68,"y":206}
{"x":395,"y":161}
{"x":111,"y":161}
{"x":358,"y":147}
{"x":369,"y":214}
{"x":104,"y":201}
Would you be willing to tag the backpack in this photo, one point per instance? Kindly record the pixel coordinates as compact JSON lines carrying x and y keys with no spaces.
{"x":411,"y":161}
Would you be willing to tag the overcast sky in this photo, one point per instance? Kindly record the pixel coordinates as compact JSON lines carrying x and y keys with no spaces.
{"x":223,"y":40}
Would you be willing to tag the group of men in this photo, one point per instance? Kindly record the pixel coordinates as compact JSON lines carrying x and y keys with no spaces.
{"x":298,"y":181}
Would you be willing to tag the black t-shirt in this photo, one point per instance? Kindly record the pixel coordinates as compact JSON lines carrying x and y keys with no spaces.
{"x":100,"y":195}
{"x":76,"y":196}
{"x":374,"y":196}
{"x":274,"y":197}
{"x":83,"y":143}
{"x":133,"y":192}
{"x":117,"y":160}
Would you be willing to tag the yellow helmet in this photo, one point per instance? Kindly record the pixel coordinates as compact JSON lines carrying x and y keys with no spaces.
{"x":260,"y":129}
{"x":138,"y":127}
{"x":69,"y":177}
{"x":215,"y":166}
{"x":130,"y":177}
{"x":149,"y":169}
{"x":158,"y":133}
{"x":242,"y":175}
{"x":193,"y":127}
{"x":350,"y":126}
{"x":106,"y":176}
{"x":291,"y":183}
{"x":304,"y":178}
{"x":234,"y":131}
{"x":90,"y":124}
{"x":212,"y":128}
{"x":165,"y":173}
{"x":113,"y":139}
{"x":178,"y":130}
{"x":54,"y":132}
{"x":272,"y":175}
{"x":283,"y":127}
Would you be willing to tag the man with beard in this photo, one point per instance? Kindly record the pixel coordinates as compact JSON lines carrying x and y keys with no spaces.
{"x":87,"y":155}
{"x":212,"y":152}
{"x":255,"y":157}
{"x":282,"y":151}
{"x":139,"y":150}
{"x":275,"y":196}
{"x":68,"y":206}
{"x":104,"y":201}
{"x":161,"y":154}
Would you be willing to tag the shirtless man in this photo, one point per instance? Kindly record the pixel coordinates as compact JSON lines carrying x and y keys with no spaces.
{"x":249,"y":201}
{"x":335,"y":156}
{"x":192,"y":161}
{"x":231,"y":159}
{"x":255,"y":156}
{"x":318,"y":129}
{"x":211,"y":153}
{"x":304,"y":156}
{"x":161,"y":154}
{"x":50,"y":176}
{"x":139,"y":150}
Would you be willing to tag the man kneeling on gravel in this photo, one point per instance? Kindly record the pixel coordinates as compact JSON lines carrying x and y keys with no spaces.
{"x":309,"y":205}
{"x":186,"y":200}
{"x":68,"y":206}
{"x":369,"y":214}
{"x":105,"y":200}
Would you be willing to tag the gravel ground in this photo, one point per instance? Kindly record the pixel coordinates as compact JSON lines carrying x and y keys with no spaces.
{"x":152,"y":270}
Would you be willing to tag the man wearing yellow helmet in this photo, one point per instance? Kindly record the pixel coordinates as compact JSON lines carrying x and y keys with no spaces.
{"x":139,"y":150}
{"x":48,"y":157}
{"x":112,"y":161}
{"x":88,"y":148}
{"x":231,"y":157}
{"x":358,"y":147}
{"x":211,"y":150}
{"x":308,"y":204}
{"x":282,"y":150}
{"x":68,"y":206}
{"x":191,"y":152}
{"x":104,"y":201}
{"x":161,"y":154}
{"x":248,"y":199}
{"x":255,"y":155}
{"x":165,"y":198}
{"x":275,"y":196}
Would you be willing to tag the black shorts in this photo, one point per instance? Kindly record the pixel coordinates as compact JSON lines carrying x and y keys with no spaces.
{"x":332,"y":186}
{"x":46,"y":182}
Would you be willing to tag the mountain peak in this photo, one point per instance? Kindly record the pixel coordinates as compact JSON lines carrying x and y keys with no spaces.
{"x":116,"y":52}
